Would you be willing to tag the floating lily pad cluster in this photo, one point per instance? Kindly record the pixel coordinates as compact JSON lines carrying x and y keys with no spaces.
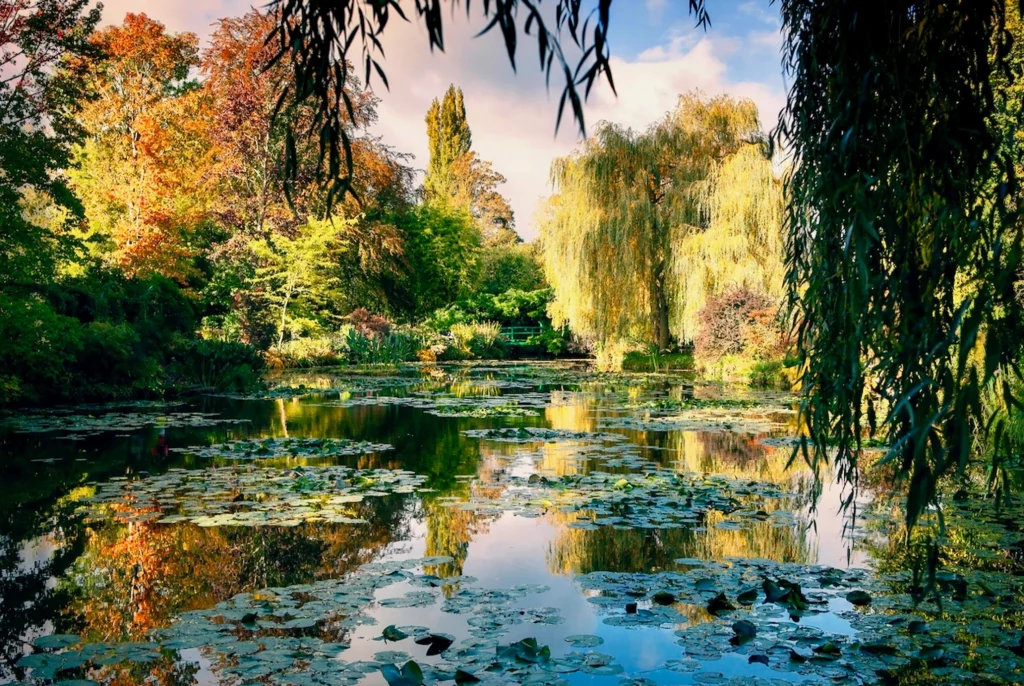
{"x":234,"y":496}
{"x":83,"y":425}
{"x":529,"y":434}
{"x":661,"y":499}
{"x":518,"y":405}
{"x":298,"y":635}
{"x":338,"y":384}
{"x":269,"y":448}
{"x":58,"y":654}
{"x":753,"y":421}
{"x":753,"y":608}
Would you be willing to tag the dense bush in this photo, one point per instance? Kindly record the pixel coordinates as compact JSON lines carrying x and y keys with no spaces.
{"x":479,"y":340}
{"x":553,"y":341}
{"x":739,"y":334}
{"x":320,"y":351}
{"x":104,"y":336}
{"x":654,"y":360}
{"x":215,"y":365}
{"x":368,"y":323}
{"x":37,"y":358}
{"x":393,"y":348}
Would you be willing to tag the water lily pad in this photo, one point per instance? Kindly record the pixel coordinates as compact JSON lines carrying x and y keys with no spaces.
{"x":56,"y":641}
{"x":391,"y":633}
{"x":859,"y":597}
{"x":409,"y":674}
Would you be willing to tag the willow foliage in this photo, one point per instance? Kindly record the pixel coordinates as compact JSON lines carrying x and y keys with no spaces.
{"x":644,"y":226}
{"x":902,"y":253}
{"x":742,"y":206}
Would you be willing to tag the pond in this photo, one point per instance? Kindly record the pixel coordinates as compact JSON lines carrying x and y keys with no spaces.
{"x":490,"y":523}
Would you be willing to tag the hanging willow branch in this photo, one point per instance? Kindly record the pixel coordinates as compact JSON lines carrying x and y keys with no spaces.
{"x":323,"y":39}
{"x":903,"y":249}
{"x":646,"y":225}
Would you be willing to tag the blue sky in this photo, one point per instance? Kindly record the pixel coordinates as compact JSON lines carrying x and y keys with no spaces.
{"x":657,"y":55}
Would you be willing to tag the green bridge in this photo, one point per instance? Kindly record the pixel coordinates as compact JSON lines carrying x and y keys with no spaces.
{"x":520,"y":335}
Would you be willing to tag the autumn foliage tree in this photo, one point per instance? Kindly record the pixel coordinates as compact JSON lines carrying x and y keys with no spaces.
{"x":38,"y":104}
{"x":142,"y":170}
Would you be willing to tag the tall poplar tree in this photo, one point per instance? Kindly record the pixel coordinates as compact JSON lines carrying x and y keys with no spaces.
{"x":449,"y":139}
{"x":458,"y":177}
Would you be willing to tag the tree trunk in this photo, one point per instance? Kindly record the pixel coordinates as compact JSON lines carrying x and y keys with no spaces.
{"x":284,"y":314}
{"x":661,"y":332}
{"x":662,"y":336}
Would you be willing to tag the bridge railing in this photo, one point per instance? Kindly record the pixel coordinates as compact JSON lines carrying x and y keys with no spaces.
{"x":519,"y":335}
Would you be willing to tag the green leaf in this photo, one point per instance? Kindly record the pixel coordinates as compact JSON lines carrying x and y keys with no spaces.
{"x":392,"y":633}
{"x":859,"y":598}
{"x":720,"y":603}
{"x":437,"y":643}
{"x":464,"y":677}
{"x":408,"y":675}
{"x":56,"y":641}
{"x":748,"y":596}
{"x":744,"y":630}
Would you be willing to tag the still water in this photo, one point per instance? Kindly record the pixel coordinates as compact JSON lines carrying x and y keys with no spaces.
{"x":484,"y":539}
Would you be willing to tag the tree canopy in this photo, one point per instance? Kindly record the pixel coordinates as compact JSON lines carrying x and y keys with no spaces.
{"x":635,"y":216}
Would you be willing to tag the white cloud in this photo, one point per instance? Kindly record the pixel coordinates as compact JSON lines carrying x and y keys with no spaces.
{"x":656,"y":7}
{"x":513,"y":117}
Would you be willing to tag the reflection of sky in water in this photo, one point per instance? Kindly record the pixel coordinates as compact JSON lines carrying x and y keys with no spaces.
{"x":500,"y":551}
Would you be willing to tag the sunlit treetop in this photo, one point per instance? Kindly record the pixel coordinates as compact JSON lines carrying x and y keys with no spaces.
{"x":645,"y":225}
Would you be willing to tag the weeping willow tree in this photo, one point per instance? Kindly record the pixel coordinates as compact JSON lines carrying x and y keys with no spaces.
{"x":741,"y":240}
{"x":644,"y":225}
{"x":904,"y":249}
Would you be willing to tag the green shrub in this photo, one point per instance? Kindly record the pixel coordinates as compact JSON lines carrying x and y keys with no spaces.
{"x":394,"y":348}
{"x":479,"y":340}
{"x":39,"y":350}
{"x":322,"y":351}
{"x":553,"y":341}
{"x":216,"y":365}
{"x":656,"y":361}
{"x":112,"y":362}
{"x":442,"y":320}
{"x":768,"y":374}
{"x":740,"y":335}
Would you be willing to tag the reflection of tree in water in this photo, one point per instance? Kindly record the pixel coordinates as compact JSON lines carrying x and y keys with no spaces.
{"x":742,"y":451}
{"x":580,"y":551}
{"x":137,"y":576}
{"x":450,"y":530}
{"x":167,"y":671}
{"x":38,"y":545}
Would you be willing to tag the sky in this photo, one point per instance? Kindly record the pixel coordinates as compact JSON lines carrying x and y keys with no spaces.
{"x":657,"y":54}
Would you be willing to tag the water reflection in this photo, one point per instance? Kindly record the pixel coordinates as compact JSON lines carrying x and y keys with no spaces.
{"x":116,"y":581}
{"x":135,"y":577}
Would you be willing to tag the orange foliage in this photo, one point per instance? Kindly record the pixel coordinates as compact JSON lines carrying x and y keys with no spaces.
{"x":141,"y":172}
